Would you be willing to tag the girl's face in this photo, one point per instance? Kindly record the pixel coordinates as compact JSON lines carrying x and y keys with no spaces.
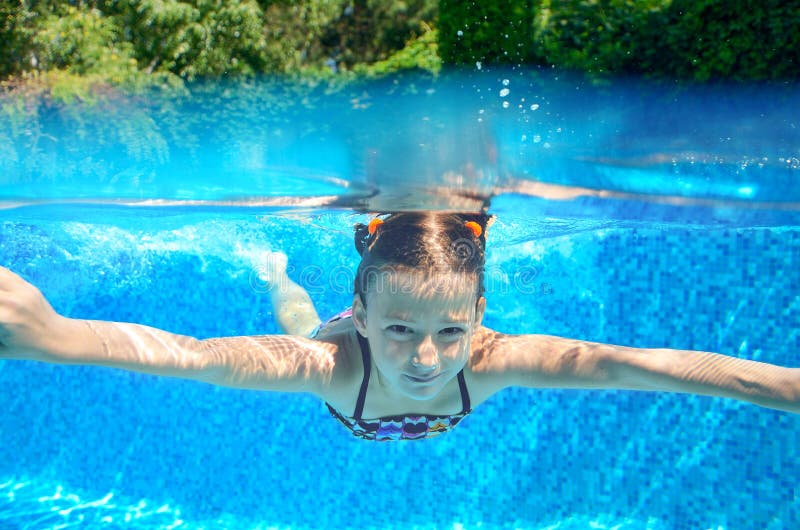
{"x":419,"y":329}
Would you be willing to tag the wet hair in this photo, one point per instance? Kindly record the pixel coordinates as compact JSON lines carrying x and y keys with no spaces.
{"x":426,"y":241}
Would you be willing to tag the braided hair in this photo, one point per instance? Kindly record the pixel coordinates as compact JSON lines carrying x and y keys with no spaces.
{"x":432,"y":241}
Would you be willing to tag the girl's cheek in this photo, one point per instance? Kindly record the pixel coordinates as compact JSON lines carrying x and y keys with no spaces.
{"x":456,"y":349}
{"x":395,"y":350}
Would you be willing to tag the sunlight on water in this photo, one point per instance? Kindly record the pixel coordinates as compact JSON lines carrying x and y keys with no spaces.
{"x":28,"y":506}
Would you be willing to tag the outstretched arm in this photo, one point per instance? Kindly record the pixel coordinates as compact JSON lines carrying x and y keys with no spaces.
{"x":31,"y":330}
{"x":546,"y":361}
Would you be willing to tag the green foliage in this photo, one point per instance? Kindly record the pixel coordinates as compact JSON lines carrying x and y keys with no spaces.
{"x":343,"y":34}
{"x":743,"y":40}
{"x":419,"y":53}
{"x":83,"y":42}
{"x":485,"y":32}
{"x":376,"y":29}
{"x":201,"y":38}
{"x":78,"y":48}
{"x":295,"y":31}
{"x":684,"y":39}
{"x":77,"y":45}
{"x":12,"y":41}
{"x":675,"y":39}
{"x":596,"y":36}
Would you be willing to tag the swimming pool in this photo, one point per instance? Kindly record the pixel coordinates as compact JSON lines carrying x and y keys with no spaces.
{"x":694,"y":244}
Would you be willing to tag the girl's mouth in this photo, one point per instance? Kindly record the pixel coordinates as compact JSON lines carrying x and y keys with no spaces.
{"x":421,"y":379}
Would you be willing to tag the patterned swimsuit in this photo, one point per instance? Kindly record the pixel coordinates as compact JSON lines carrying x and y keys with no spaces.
{"x":395,"y":428}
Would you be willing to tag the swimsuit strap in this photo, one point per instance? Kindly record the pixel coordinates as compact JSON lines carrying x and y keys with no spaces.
{"x":362,"y":393}
{"x":462,"y":386}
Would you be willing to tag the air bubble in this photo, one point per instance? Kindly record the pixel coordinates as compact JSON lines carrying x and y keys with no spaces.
{"x":504,"y":92}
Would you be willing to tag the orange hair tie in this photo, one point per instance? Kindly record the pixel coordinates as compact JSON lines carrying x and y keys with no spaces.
{"x":475,"y":227}
{"x":373,"y":226}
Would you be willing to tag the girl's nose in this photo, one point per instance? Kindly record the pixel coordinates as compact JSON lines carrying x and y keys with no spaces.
{"x":426,"y":357}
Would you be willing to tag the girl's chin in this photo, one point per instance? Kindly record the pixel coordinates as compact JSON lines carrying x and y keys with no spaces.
{"x":421,"y":391}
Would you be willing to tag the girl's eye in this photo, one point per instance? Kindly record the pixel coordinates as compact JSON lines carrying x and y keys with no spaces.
{"x":400,"y":329}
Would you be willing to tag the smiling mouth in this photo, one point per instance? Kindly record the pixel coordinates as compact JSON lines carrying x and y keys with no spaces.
{"x":422,"y":379}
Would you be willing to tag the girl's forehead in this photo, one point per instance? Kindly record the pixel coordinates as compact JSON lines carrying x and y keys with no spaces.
{"x":450,"y":292}
{"x":424,"y":283}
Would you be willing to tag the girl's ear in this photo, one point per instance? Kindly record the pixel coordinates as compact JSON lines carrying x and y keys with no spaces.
{"x":359,"y":316}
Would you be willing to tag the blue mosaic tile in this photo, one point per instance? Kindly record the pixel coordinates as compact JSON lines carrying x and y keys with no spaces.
{"x":531,"y":457}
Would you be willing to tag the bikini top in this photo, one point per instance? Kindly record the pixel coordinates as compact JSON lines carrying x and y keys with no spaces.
{"x":397,"y":428}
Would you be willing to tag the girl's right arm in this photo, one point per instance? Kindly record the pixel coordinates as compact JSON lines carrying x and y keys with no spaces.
{"x":31,"y":330}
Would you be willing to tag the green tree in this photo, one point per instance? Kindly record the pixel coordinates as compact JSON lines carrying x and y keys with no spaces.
{"x":199,"y":38}
{"x":707,"y":39}
{"x":12,"y":39}
{"x":486,"y":31}
{"x":341,"y":34}
{"x":674,"y":39}
{"x":82,"y":41}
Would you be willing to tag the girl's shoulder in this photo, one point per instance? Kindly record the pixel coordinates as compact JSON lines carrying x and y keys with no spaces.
{"x":480,"y":377}
{"x":347,"y":358}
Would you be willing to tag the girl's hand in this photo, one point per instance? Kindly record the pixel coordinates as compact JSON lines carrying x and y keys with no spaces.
{"x":29,"y":326}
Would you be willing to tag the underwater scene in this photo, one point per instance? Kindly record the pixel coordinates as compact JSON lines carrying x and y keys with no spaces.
{"x":626,"y":213}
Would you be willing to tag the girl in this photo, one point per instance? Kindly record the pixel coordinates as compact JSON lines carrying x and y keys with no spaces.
{"x":408,"y":361}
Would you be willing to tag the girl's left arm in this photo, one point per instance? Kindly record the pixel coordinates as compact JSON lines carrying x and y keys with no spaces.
{"x":547,"y":361}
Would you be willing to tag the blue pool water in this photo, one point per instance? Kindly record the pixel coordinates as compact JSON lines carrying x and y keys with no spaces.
{"x":694,"y":244}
